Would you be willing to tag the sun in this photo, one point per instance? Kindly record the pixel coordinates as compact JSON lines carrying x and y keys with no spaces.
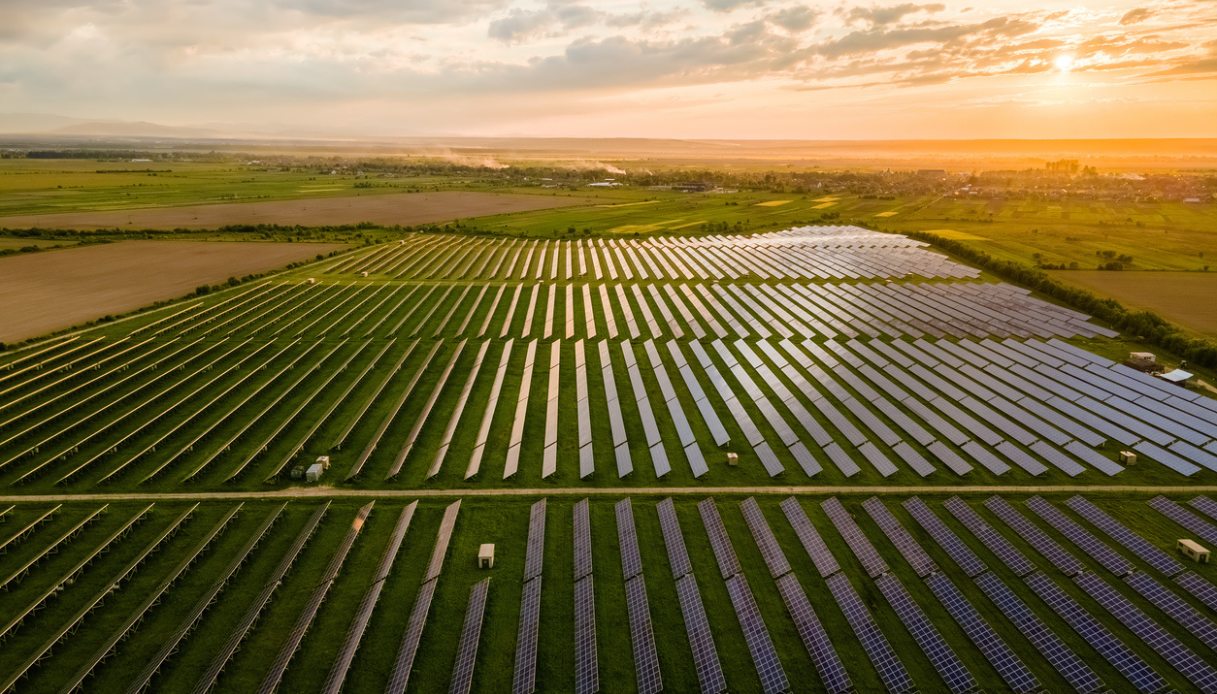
{"x":1063,"y":63}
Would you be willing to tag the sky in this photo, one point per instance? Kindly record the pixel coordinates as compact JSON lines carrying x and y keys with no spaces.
{"x":771,"y":69}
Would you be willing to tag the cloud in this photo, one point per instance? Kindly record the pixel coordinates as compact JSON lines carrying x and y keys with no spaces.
{"x":796,"y":19}
{"x":880,"y":16}
{"x":1136,"y":16}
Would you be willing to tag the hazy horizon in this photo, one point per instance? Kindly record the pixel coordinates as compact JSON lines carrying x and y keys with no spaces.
{"x":686,"y":69}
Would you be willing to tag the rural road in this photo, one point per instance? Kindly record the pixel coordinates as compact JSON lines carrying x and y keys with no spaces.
{"x":330,"y":493}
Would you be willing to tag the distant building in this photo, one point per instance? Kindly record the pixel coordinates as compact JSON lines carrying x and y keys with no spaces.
{"x":691,"y":187}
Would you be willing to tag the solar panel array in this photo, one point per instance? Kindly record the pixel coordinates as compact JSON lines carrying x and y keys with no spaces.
{"x":406,"y":652}
{"x":872,"y":562}
{"x":1080,"y":537}
{"x":363,"y":615}
{"x":908,"y":547}
{"x":1146,"y":630}
{"x":1136,"y":671}
{"x":524,"y":678}
{"x":1122,"y":535}
{"x":1061,"y":558}
{"x":756,"y":634}
{"x":642,"y":635}
{"x":946,"y":662}
{"x":1008,"y":665}
{"x":1203,"y":529}
{"x":587,"y":670}
{"x":697,"y":626}
{"x":471,"y":635}
{"x":1059,"y":655}
{"x":807,"y":623}
{"x":994,"y":541}
{"x":946,"y":538}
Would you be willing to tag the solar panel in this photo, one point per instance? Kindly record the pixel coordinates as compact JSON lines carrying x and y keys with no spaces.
{"x":1193,"y":523}
{"x":1122,"y":535}
{"x":720,"y":542}
{"x":953,"y":672}
{"x":945,"y":537}
{"x":989,"y":537}
{"x":583,"y":539}
{"x":1204,"y":505}
{"x":701,"y":638}
{"x":1182,"y":658}
{"x":812,"y":542}
{"x":815,"y":638}
{"x":1046,"y":546}
{"x":535,"y":554}
{"x":1008,"y":665}
{"x":1080,"y":537}
{"x":771,"y":551}
{"x":1062,"y":658}
{"x":587,"y":672}
{"x":1199,"y":588}
{"x":1112,"y":649}
{"x":627,"y":537}
{"x":442,"y":537}
{"x":1170,"y":604}
{"x":891,"y":671}
{"x":524,"y":680}
{"x":471,"y":634}
{"x":642,"y":636}
{"x":854,"y":537}
{"x":409,"y":642}
{"x":908,"y":547}
{"x":673,"y":539}
{"x":756,"y":635}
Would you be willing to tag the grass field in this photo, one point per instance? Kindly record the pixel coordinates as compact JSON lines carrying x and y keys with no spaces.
{"x":402,"y":209}
{"x":505,"y":523}
{"x":43,"y":292}
{"x":1180,"y":297}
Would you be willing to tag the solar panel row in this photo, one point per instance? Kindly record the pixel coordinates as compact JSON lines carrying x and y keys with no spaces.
{"x":471,"y":635}
{"x":525,"y":672}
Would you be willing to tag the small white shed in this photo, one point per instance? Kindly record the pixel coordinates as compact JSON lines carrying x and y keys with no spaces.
{"x":486,"y":556}
{"x":314,"y":472}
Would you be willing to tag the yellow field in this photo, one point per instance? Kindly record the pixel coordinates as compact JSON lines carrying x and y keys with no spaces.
{"x":774,"y":203}
{"x":955,"y":235}
{"x":826,"y":203}
{"x":889,"y":213}
{"x":1176,"y":296}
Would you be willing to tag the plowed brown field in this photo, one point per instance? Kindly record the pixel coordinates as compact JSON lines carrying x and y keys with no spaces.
{"x":42,"y":292}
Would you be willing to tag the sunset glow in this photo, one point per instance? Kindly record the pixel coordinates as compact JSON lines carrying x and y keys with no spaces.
{"x":676,"y":68}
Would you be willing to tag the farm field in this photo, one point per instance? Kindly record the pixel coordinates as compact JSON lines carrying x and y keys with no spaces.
{"x":44,"y":292}
{"x":1175,"y":296}
{"x":41,"y":186}
{"x":402,"y":209}
{"x":838,"y":594}
{"x":1156,"y":235}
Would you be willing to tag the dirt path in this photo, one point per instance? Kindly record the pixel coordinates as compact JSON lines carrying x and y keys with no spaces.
{"x":852,"y":490}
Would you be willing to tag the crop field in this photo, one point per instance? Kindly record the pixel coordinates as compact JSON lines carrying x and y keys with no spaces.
{"x":1172,"y":295}
{"x":43,"y":186}
{"x":1157,"y":235}
{"x":1002,"y":593}
{"x":43,"y":292}
{"x":403,"y":209}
